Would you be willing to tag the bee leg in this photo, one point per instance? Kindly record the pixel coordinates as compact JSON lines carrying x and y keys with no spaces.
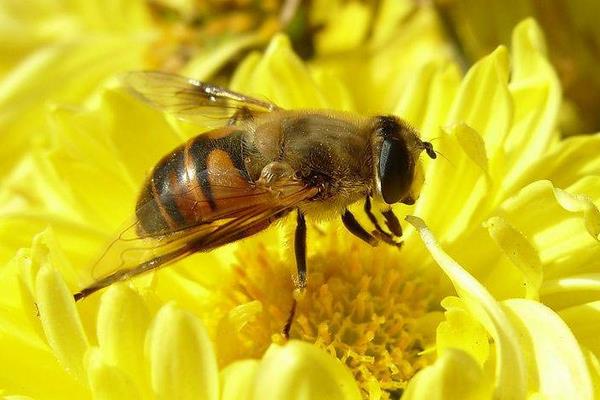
{"x":357,"y":230}
{"x":391,"y":222}
{"x":300,"y":249}
{"x":241,"y":114}
{"x":300,"y":281}
{"x":372,"y":217}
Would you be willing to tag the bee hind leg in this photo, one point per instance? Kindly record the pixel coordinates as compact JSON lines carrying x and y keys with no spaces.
{"x":391,"y":221}
{"x":300,"y":280}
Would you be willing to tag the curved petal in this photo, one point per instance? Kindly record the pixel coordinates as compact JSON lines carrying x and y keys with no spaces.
{"x":454,"y":376}
{"x":280,"y":64}
{"x":60,"y":320}
{"x":519,"y":251}
{"x":511,"y":379}
{"x":567,"y":162}
{"x":460,"y":330}
{"x":564,"y":227}
{"x":237,"y":380}
{"x":351,"y":26}
{"x":121,"y":326}
{"x":183,"y":364}
{"x":554,"y":358}
{"x":583,"y":322}
{"x":108,"y":382}
{"x":471,"y":138}
{"x":536,"y":92}
{"x":483,"y":101}
{"x":301,"y":371}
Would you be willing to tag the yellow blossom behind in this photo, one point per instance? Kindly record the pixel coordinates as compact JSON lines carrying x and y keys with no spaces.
{"x":511,"y":218}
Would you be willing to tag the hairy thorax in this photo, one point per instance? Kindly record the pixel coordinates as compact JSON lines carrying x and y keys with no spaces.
{"x":331,"y":152}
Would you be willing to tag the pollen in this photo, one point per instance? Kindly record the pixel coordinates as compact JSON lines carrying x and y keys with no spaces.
{"x":361,"y":305}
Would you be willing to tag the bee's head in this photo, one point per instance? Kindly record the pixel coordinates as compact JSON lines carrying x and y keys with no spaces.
{"x":396,"y":148}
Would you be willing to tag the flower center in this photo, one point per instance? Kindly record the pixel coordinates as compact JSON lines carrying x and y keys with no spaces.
{"x":361,"y":305}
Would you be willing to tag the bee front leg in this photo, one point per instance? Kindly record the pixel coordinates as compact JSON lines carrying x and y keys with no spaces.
{"x":391,"y":221}
{"x":300,"y":280}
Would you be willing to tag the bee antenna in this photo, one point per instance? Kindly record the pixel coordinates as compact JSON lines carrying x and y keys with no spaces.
{"x":429,"y":149}
{"x":446,"y":158}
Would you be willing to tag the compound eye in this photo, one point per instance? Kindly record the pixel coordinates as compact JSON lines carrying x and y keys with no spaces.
{"x":396,"y":170}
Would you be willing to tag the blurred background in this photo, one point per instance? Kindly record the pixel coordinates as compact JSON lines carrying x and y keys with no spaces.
{"x":62,"y":51}
{"x":472,"y":27}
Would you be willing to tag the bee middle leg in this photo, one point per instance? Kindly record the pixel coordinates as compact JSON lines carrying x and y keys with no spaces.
{"x":300,"y":280}
{"x":355,"y":228}
{"x":391,"y":221}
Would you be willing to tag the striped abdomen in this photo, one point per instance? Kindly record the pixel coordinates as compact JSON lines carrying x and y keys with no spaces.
{"x":185,"y":187}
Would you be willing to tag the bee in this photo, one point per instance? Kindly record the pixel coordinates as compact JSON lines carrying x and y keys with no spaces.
{"x":261,"y":164}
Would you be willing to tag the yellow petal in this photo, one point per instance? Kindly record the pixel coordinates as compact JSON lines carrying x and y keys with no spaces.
{"x":87,"y":167}
{"x":60,"y":320}
{"x":22,"y":337}
{"x":106,"y":381}
{"x":564,"y":229}
{"x":390,"y":14}
{"x":442,"y":91}
{"x":121,"y":328}
{"x":576,"y":203}
{"x":44,"y":251}
{"x":182,"y":361}
{"x":31,"y":359}
{"x":280,"y":64}
{"x":237,"y":380}
{"x":536,"y":93}
{"x":569,"y":161}
{"x":414,"y":101}
{"x":510,"y":369}
{"x":520,"y":251}
{"x":243,"y":74}
{"x":46,"y":76}
{"x":34,"y":196}
{"x":583,"y":322}
{"x":347,"y":30}
{"x":138,"y":142}
{"x":483,"y":101}
{"x":112,"y":16}
{"x":12,"y":276}
{"x":454,"y":376}
{"x":463,"y":170}
{"x":465,"y":175}
{"x":230,"y":345}
{"x":552,"y":353}
{"x":593,"y":362}
{"x":336,"y":95}
{"x":460,"y":330}
{"x":301,"y":371}
{"x":210,"y":59}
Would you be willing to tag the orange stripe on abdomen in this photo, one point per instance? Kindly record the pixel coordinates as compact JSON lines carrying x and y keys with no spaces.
{"x":195,"y":183}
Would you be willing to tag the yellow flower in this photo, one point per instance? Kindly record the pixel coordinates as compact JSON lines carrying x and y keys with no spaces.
{"x":570,"y":27}
{"x":63,"y":52}
{"x":508,"y":315}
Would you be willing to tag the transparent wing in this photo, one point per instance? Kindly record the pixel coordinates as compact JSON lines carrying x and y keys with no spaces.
{"x":240,"y":215}
{"x":189,"y":99}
